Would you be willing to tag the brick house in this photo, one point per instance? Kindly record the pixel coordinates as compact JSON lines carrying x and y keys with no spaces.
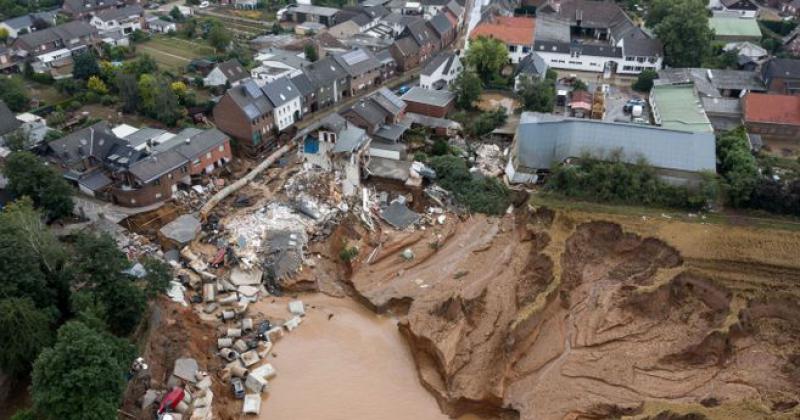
{"x":205,"y":150}
{"x":151,"y":180}
{"x":245,"y":113}
{"x":362,"y":67}
{"x":782,"y":76}
{"x":772,"y":115}
{"x":443,"y":28}
{"x":50,"y":50}
{"x":416,"y":45}
{"x":433,"y":103}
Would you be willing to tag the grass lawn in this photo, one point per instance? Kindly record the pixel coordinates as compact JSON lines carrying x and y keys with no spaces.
{"x":173,"y":53}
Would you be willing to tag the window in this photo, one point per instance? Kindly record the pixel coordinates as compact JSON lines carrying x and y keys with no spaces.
{"x":526,"y":49}
{"x":630,"y":58}
{"x":627,"y":68}
{"x":512,"y":48}
{"x":158,"y":195}
{"x":221,"y":148}
{"x":196,"y":162}
{"x":157,"y":182}
{"x":208,"y":155}
{"x":640,"y":59}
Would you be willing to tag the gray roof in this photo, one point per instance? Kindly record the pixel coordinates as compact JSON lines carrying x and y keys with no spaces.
{"x":96,"y":141}
{"x":324,"y":72}
{"x":391,"y":133}
{"x":532,"y":64}
{"x":313,"y":10}
{"x":455,"y":8}
{"x":333,"y":122}
{"x":420,"y":95}
{"x":422,"y":32}
{"x":388,"y":101}
{"x":710,"y":82}
{"x":445,"y":58}
{"x":370,"y":111}
{"x":384,"y":56}
{"x":144,"y":135}
{"x":407,"y":46}
{"x":199,"y":142}
{"x":544,"y":139}
{"x":155,"y":166}
{"x":64,"y":32}
{"x":8,"y":121}
{"x":233,"y":70}
{"x":119,"y":13}
{"x":95,"y":181}
{"x":585,"y":49}
{"x":397,"y":18}
{"x":441,"y":24}
{"x":782,"y":67}
{"x":26,"y":21}
{"x":591,"y":13}
{"x":550,"y":29}
{"x":250,"y":99}
{"x":731,"y":106}
{"x":638,"y":43}
{"x":303,"y":83}
{"x":357,"y":61}
{"x":83,"y":6}
{"x":281,"y":91}
{"x":350,"y":139}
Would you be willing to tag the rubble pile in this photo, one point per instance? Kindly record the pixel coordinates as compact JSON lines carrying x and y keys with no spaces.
{"x":195,"y":197}
{"x":489,"y":160}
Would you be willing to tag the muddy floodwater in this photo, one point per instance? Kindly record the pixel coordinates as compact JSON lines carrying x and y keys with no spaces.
{"x":353,"y":365}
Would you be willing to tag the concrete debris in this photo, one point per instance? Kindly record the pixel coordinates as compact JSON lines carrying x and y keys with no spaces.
{"x":253,"y":228}
{"x":252,"y":404}
{"x":247,"y":325}
{"x":182,"y":230}
{"x":284,"y":252}
{"x":265,"y":371}
{"x":399,"y":215}
{"x":240,"y":346}
{"x":210,"y":308}
{"x":209,"y":292}
{"x":441,"y":219}
{"x":176,"y":293}
{"x":489,"y":160}
{"x":241,"y":277}
{"x":248,"y":291}
{"x":249,"y":358}
{"x":224,"y":342}
{"x":186,"y":369}
{"x":407,"y":254}
{"x":292,"y":323}
{"x":297,"y":308}
{"x":255,"y":384}
{"x":229,"y":354}
{"x":137,"y":270}
{"x":205,"y":383}
{"x":233,"y":332}
{"x":150,"y":397}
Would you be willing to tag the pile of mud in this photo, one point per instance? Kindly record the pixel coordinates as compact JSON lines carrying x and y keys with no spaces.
{"x":543,"y":316}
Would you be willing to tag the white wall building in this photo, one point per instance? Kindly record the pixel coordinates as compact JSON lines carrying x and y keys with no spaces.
{"x":441,"y":71}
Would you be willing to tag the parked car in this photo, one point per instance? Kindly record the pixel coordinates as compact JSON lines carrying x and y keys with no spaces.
{"x":204,"y":4}
{"x":403,"y":89}
{"x":238,"y":388}
{"x":632,"y":103}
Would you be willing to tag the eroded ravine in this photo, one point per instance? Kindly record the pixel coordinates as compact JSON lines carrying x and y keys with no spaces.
{"x":540,"y":316}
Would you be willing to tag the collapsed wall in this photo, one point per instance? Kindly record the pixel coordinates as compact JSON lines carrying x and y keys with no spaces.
{"x":535,"y":316}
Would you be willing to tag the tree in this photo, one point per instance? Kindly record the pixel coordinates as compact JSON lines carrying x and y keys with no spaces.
{"x":482,"y":195}
{"x":158,"y":276}
{"x":579,"y":86}
{"x":219,"y":37}
{"x":176,"y":14}
{"x":98,"y":267}
{"x":158,"y":100}
{"x":25,"y":331}
{"x":737,"y":166}
{"x":14,"y":93}
{"x":128,"y":89}
{"x":3,"y":35}
{"x":311,"y":53}
{"x":96,"y":85}
{"x":467,"y":88}
{"x":29,"y":176}
{"x":644,"y":82}
{"x":82,"y":376}
{"x":538,"y":95}
{"x":85,"y":66}
{"x":277,"y":29}
{"x":682,"y":27}
{"x":487,"y":56}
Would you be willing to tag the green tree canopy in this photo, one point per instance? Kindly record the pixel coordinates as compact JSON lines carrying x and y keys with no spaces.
{"x":487,"y":56}
{"x":14,"y":93}
{"x":29,"y":176}
{"x":467,"y":88}
{"x":682,"y":27}
{"x":644,"y":82}
{"x":85,"y":66}
{"x":24,"y":331}
{"x":218,"y":36}
{"x":158,"y":276}
{"x":82,"y":376}
{"x":311,"y":53}
{"x":538,"y":95}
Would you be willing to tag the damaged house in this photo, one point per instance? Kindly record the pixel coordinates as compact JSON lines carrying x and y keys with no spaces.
{"x":338,"y":146}
{"x":108,"y":167}
{"x":381,"y":115}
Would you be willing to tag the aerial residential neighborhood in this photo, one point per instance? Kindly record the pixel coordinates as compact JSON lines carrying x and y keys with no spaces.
{"x":399,"y":209}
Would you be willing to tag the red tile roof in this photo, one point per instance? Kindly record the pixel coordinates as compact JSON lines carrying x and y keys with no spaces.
{"x":774,"y":109}
{"x":510,"y":30}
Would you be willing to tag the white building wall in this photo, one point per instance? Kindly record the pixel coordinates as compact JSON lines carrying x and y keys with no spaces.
{"x":215,"y":78}
{"x":595,"y":64}
{"x":284,"y":114}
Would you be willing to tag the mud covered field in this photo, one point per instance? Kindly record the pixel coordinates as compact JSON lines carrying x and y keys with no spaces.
{"x":544,"y":315}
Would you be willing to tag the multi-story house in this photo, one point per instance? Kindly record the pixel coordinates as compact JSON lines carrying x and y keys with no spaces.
{"x":21,"y":25}
{"x":516,"y":33}
{"x":416,"y":45}
{"x":123,"y":20}
{"x":286,"y":102}
{"x":782,"y":76}
{"x":83,"y":8}
{"x":443,"y":28}
{"x":245,"y":113}
{"x":51,"y":50}
{"x":440,"y":72}
{"x":594,"y":36}
{"x":330,"y":80}
{"x":362,"y":67}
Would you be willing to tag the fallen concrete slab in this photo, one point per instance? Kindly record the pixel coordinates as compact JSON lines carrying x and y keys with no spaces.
{"x":399,"y":215}
{"x":296,"y":307}
{"x":252,"y":404}
{"x":186,"y":369}
{"x":181,"y":230}
{"x":241,"y":277}
{"x":249,"y":358}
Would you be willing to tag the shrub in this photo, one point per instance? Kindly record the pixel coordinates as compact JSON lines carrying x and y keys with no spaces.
{"x":645,"y":80}
{"x":348,"y":253}
{"x":478,"y":194}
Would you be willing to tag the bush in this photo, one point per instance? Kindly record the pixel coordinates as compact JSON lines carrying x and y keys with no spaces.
{"x":43,"y":78}
{"x":481,"y":195}
{"x":737,"y":166}
{"x":440,"y":147}
{"x":612,"y":180}
{"x":348,"y":253}
{"x":645,"y":80}
{"x":487,"y":122}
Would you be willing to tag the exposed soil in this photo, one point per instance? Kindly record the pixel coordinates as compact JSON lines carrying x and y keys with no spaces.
{"x":540,"y":316}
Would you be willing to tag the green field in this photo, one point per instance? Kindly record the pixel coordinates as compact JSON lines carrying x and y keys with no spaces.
{"x":173,"y":53}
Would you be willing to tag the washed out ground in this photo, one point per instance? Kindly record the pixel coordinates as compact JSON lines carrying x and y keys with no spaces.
{"x":538,"y":314}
